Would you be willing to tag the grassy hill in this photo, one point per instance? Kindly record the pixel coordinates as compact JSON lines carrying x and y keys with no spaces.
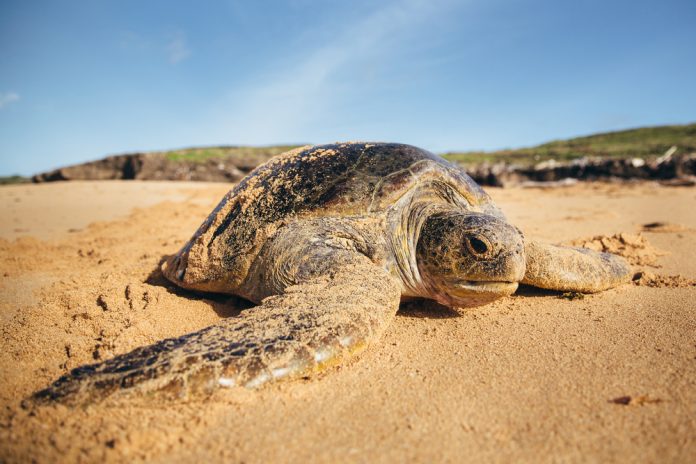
{"x":641,"y":143}
{"x":9,"y":180}
{"x":248,"y":154}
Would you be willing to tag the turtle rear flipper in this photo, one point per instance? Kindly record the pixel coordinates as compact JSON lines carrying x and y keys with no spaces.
{"x":573,"y":269}
{"x":312,"y":325}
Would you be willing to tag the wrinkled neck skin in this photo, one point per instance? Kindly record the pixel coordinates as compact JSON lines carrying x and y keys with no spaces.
{"x":404,"y":223}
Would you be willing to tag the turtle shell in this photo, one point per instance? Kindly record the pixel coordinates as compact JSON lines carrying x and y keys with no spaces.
{"x":340,"y":180}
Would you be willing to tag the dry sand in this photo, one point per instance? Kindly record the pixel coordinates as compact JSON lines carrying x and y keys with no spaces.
{"x":534,"y":377}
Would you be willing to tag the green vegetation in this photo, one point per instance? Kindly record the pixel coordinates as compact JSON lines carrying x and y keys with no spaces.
{"x":7,"y":180}
{"x":245,"y":154}
{"x":641,"y":143}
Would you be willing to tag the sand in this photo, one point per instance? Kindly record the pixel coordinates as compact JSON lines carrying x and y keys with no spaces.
{"x":536,"y":377}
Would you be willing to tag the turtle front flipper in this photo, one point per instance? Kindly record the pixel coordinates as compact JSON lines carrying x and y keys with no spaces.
{"x":311,"y":326}
{"x":573,"y":269}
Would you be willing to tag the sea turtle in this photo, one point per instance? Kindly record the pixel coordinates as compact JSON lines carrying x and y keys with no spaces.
{"x":327,"y":240}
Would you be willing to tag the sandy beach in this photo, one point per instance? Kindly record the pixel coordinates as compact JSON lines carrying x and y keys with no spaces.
{"x":535,"y":377}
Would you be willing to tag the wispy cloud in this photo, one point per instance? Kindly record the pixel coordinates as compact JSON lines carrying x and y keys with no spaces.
{"x":7,"y":98}
{"x":178,"y":49}
{"x":307,"y":88}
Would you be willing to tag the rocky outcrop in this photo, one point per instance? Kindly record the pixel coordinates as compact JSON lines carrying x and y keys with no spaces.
{"x":156,"y":166}
{"x":667,"y":167}
{"x":147,"y":166}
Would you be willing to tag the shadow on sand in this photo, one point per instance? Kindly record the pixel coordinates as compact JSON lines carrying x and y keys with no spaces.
{"x":534,"y":292}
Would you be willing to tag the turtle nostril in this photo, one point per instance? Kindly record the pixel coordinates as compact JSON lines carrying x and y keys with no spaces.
{"x":478,"y":246}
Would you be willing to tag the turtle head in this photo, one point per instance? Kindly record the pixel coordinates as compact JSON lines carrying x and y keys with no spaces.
{"x":469,"y":259}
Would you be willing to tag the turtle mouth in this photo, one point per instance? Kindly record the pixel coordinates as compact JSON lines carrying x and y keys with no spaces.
{"x":467,"y":293}
{"x":498,"y":287}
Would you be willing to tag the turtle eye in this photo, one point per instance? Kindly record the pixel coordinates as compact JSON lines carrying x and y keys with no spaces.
{"x":478,"y":246}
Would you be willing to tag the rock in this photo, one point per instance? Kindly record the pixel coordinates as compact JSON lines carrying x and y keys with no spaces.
{"x":671,"y":170}
{"x":142,"y":166}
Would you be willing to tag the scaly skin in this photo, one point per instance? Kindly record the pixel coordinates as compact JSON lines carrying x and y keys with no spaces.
{"x":572,"y":269}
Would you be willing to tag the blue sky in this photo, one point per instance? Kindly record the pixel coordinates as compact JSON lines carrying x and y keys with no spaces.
{"x":83,"y":79}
